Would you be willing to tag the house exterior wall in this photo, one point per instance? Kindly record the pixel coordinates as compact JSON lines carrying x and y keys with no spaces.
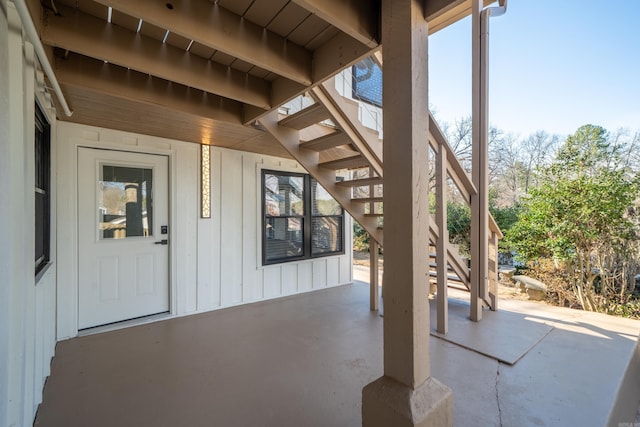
{"x":5,"y":211}
{"x":27,"y":302}
{"x":215,"y":262}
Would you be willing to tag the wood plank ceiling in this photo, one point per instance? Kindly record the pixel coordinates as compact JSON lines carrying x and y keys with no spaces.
{"x":203,"y":71}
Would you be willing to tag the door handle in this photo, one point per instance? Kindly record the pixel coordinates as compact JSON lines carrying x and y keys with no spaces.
{"x":162,"y":242}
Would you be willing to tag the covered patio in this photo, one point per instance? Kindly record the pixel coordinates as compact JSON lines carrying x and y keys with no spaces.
{"x":253,"y":316}
{"x":303,"y":360}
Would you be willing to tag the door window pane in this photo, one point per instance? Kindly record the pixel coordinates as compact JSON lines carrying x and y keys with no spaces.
{"x":125,"y":202}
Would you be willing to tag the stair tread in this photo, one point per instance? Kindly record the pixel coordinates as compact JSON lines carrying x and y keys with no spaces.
{"x":451,"y":277}
{"x":460,"y":288}
{"x":350,"y":162}
{"x":435,"y":254}
{"x":367,"y":199}
{"x":334,"y":155}
{"x":325,"y":142}
{"x":305,"y":118}
{"x":435,"y":265}
{"x":361,"y":182}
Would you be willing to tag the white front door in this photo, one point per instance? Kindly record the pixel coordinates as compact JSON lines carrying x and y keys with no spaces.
{"x":123,"y":218}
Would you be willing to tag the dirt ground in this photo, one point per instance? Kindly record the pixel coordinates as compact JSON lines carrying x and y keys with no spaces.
{"x":362,"y":258}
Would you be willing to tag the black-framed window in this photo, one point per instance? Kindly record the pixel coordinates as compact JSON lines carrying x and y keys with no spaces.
{"x":42,"y":190}
{"x":300,"y":219}
{"x":327,"y":222}
{"x":367,"y":82}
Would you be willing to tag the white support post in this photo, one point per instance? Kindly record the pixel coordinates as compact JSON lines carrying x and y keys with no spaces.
{"x":480,"y":171}
{"x":480,"y":155}
{"x":406,"y":395}
{"x":443,"y":239}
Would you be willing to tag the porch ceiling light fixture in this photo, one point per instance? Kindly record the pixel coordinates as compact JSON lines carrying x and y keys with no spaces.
{"x":205,"y":181}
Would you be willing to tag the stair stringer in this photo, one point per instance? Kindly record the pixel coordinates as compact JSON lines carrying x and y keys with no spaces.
{"x":454,"y":259}
{"x":345,"y":116}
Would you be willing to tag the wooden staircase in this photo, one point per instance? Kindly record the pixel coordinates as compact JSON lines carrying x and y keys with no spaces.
{"x":347,"y":144}
{"x":453,"y":280}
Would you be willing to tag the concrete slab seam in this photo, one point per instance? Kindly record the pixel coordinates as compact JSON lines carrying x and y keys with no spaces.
{"x":553,"y":328}
{"x":506,"y":362}
{"x":498,"y":393}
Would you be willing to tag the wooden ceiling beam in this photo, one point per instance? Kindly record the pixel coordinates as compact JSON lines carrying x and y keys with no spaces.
{"x":337,"y":54}
{"x":340,"y":52}
{"x":344,"y":50}
{"x":215,"y":27}
{"x":80,"y":71}
{"x":93,"y":37}
{"x":357,"y":18}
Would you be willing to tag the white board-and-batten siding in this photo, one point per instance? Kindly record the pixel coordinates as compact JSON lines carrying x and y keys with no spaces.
{"x":27,"y":301}
{"x":215,"y":262}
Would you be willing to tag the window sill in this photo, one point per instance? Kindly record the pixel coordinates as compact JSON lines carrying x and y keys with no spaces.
{"x":42,"y":272}
{"x":302,"y":260}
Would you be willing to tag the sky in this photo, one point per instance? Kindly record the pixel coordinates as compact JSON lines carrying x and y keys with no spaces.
{"x":554,"y":66}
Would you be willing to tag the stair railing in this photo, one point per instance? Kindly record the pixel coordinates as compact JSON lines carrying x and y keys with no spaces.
{"x":447,"y":165}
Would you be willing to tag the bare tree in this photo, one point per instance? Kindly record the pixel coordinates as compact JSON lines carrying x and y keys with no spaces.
{"x":460,"y":139}
{"x":536,"y":151}
{"x":506,"y":170}
{"x":630,"y":148}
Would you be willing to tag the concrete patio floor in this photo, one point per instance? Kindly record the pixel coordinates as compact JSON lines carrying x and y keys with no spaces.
{"x":303,"y":360}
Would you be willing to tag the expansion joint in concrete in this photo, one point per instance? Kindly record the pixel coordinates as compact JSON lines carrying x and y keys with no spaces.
{"x":498,"y":392}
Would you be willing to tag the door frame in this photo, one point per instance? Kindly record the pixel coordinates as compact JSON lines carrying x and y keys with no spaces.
{"x":89,"y":241}
{"x":68,"y":287}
